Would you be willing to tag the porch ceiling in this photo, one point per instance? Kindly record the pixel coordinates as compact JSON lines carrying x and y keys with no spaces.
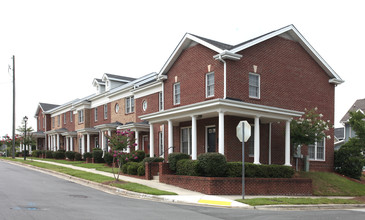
{"x":211,"y":108}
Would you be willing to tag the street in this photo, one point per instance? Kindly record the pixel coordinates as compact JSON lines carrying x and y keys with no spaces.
{"x":28,"y":194}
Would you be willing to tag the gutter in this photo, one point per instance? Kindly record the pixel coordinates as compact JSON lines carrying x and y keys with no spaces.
{"x":225,"y":75}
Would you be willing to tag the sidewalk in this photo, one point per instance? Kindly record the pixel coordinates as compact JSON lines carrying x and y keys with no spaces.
{"x":186,"y":196}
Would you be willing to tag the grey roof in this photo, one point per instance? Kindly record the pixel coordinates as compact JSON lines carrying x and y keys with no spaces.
{"x":99,"y":80}
{"x":339,"y":133}
{"x":359,"y":104}
{"x":120,"y":77}
{"x":220,"y":45}
{"x":47,"y":106}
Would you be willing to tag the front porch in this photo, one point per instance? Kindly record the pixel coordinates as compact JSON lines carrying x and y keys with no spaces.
{"x":210,"y":126}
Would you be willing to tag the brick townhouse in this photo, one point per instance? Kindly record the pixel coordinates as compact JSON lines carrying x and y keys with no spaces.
{"x":205,"y":88}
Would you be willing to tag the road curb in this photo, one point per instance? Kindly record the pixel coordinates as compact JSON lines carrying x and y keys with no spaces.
{"x":309,"y":207}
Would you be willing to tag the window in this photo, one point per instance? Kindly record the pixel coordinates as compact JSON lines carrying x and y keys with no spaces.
{"x":144,"y":105}
{"x":316,"y":150}
{"x":64,"y":118}
{"x":44,"y":122}
{"x":161,"y":143}
{"x":209,"y":82}
{"x":96,"y":114}
{"x":176,"y":93}
{"x":160,"y":101}
{"x":116,"y":108}
{"x":186,"y":140}
{"x":58,"y":120}
{"x":81,"y":116}
{"x":251,"y":143}
{"x":96,"y":142}
{"x":105,"y":111}
{"x":129,"y":105}
{"x":53,"y":122}
{"x":71,"y":116}
{"x":254,"y":85}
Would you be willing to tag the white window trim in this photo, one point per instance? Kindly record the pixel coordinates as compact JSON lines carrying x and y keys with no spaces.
{"x":206,"y":135}
{"x":58,"y":120}
{"x":177,"y":103}
{"x":81,"y":116}
{"x":206,"y":84}
{"x":181,"y":147}
{"x":96,"y":114}
{"x":160,"y":101}
{"x":315,"y":151}
{"x":71,"y":116}
{"x":129,"y":109}
{"x":64,"y":118}
{"x":105,"y":111}
{"x":259,"y":89}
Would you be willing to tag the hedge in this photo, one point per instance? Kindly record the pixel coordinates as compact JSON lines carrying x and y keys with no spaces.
{"x":70,"y":155}
{"x":152,"y":159}
{"x":87,"y":155}
{"x":49,"y":154}
{"x":78,"y":156}
{"x":234,"y":169}
{"x":36,"y":153}
{"x":141,"y":170}
{"x":58,"y":154}
{"x":212,"y":164}
{"x":108,"y":158}
{"x":187,"y":167}
{"x":174,"y":158}
{"x":98,"y":155}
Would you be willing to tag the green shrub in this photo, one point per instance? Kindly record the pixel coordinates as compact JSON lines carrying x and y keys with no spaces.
{"x":174,"y":158}
{"x":187,"y":167}
{"x":349,"y":161}
{"x":108,"y":158}
{"x":58,"y":154}
{"x":132,"y":168}
{"x":98,"y":155}
{"x":70,"y":155}
{"x":87,"y":155}
{"x":17,"y":154}
{"x":152,"y":159}
{"x":124,"y":168}
{"x":36,"y":153}
{"x":212,"y":164}
{"x":141,"y":169}
{"x":234,"y":169}
{"x":78,"y":156}
{"x":49,"y":154}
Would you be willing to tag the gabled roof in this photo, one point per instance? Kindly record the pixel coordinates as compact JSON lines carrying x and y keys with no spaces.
{"x":117,"y":78}
{"x":98,"y":82}
{"x":340,"y":133}
{"x":44,"y":107}
{"x":229,"y":51}
{"x":358,"y":105}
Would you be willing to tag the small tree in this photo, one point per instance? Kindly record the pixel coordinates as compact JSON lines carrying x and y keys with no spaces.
{"x":119,"y":142}
{"x":308,"y":129}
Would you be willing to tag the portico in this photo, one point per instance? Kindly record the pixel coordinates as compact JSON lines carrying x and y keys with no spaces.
{"x":220,"y":115}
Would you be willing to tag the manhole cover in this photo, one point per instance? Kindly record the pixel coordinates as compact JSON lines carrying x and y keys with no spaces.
{"x":78,"y":196}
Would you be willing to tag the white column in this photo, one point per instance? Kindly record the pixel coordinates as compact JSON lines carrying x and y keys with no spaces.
{"x":103,"y":141}
{"x":136,"y":136}
{"x":82,"y":144}
{"x":257,"y":141}
{"x":152,"y":149}
{"x":58,"y":141}
{"x":49,"y":142}
{"x":88,"y":143}
{"x":287,"y":143}
{"x":109,"y":134}
{"x":170,"y":136}
{"x":72,"y":143}
{"x":221,"y":132}
{"x":194,"y":150}
{"x":54,"y":143}
{"x":67,"y":146}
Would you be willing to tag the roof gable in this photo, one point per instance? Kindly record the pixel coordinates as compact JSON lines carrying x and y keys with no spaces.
{"x":44,"y":107}
{"x":359,"y":105}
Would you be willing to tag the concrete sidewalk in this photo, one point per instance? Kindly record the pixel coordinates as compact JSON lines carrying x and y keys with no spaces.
{"x":183,"y":195}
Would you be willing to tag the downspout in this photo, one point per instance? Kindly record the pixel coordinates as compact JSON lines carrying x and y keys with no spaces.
{"x":225,"y":75}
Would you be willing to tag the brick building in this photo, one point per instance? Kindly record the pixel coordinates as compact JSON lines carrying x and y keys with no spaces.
{"x":205,"y":88}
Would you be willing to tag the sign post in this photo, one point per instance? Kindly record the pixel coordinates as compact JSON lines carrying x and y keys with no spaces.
{"x":243,"y":133}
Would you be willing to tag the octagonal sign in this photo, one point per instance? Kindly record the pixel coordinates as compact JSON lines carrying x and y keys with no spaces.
{"x":247,"y":131}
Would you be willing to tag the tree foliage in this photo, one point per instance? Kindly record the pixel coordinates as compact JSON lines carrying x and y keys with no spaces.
{"x":357,"y":122}
{"x":309,"y":128}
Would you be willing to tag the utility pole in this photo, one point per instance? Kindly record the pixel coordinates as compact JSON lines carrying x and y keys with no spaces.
{"x":13,"y":107}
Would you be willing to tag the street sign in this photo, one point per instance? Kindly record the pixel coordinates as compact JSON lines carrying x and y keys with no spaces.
{"x":245,"y":127}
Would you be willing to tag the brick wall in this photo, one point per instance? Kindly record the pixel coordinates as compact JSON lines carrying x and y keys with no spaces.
{"x":121,"y":116}
{"x":100,"y":119}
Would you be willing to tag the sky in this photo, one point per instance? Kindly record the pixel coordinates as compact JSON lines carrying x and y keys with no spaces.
{"x":61,"y":46}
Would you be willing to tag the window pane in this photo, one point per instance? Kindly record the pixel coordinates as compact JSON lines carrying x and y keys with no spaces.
{"x":177,"y":93}
{"x":184,"y":141}
{"x":311,"y":152}
{"x":254,"y":85}
{"x":210,"y":84}
{"x":320,"y":150}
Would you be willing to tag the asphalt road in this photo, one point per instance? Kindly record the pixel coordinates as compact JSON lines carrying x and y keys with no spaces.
{"x":28,"y":194}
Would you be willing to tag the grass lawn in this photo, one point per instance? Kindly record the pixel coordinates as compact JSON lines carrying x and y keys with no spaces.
{"x":296,"y":201}
{"x":330,"y":184}
{"x":96,"y":178}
